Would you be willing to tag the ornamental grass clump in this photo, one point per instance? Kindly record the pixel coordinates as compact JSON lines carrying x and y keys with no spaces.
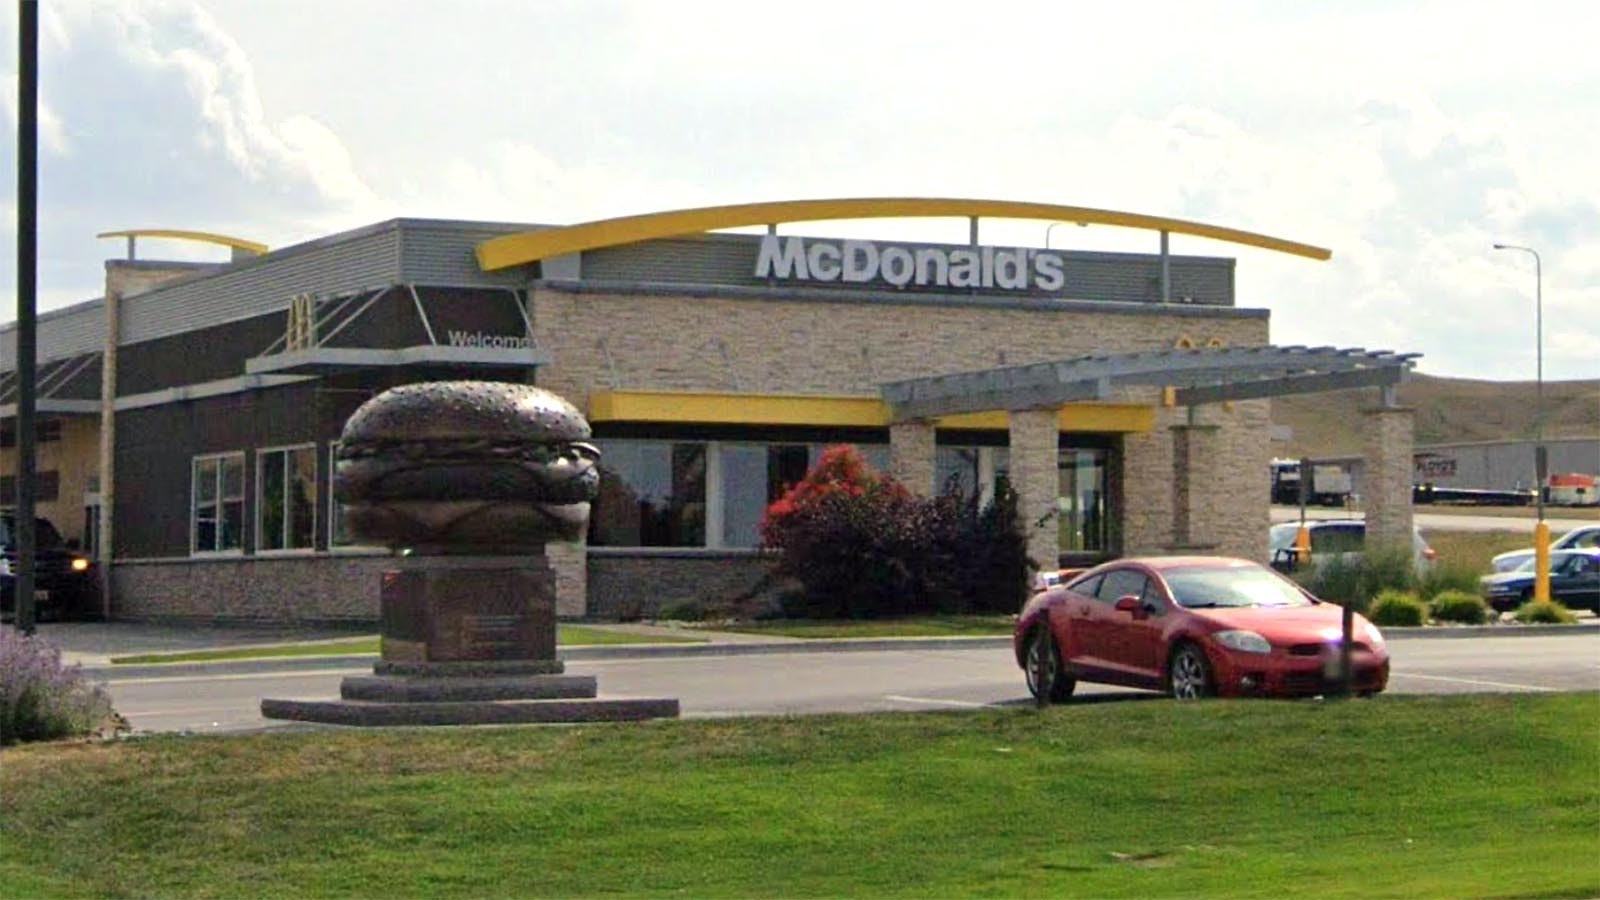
{"x":40,"y":699}
{"x":1398,"y":609}
{"x":1547,"y":612}
{"x":1460,"y":606}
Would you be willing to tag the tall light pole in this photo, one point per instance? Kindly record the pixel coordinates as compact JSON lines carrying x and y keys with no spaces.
{"x":1052,"y":225}
{"x":1541,"y":531}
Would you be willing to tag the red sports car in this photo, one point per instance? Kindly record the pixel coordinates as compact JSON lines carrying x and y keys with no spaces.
{"x":1192,"y":626}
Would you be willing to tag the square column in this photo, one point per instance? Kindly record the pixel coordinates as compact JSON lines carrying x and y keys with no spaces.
{"x":1196,"y":477}
{"x":1386,"y":483}
{"x":1036,"y":477}
{"x":911,"y":456}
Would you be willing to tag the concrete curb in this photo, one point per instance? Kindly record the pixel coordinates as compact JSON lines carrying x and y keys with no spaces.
{"x":679,"y":651}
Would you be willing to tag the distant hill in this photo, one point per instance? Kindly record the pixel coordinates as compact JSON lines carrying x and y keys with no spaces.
{"x":1448,"y":410}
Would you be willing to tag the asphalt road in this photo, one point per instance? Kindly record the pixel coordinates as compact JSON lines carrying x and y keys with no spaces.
{"x":1559,"y":523}
{"x":812,"y":682}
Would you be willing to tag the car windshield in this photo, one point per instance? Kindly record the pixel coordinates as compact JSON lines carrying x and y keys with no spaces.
{"x":1200,"y":587}
{"x":1557,"y":560}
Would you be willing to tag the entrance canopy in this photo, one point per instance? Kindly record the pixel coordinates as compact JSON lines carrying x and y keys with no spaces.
{"x":1202,"y":375}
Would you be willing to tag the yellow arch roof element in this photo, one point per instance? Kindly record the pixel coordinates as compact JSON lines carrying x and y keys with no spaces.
{"x":530,"y":246}
{"x":204,"y":237}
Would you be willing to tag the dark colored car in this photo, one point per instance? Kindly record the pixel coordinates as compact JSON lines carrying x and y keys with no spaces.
{"x":63,"y":580}
{"x":1574,"y":582}
{"x":1191,"y":626}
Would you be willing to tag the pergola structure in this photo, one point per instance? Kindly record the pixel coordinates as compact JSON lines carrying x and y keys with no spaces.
{"x":1192,"y":460}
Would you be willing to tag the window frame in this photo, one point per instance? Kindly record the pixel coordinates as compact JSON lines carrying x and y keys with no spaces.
{"x":261,"y":454}
{"x":219,"y":502}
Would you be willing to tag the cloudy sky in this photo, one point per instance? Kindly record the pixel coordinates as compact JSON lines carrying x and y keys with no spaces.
{"x":1406,"y":137}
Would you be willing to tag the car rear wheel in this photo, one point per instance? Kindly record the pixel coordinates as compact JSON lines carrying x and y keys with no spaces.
{"x":1042,"y":665}
{"x":1189,"y":674}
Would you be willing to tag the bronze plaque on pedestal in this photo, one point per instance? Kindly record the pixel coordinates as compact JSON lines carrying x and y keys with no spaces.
{"x":463,"y":614}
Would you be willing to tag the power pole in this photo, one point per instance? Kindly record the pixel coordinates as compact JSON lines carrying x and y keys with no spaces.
{"x":27,"y":300}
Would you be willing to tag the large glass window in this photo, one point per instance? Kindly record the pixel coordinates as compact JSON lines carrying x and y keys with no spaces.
{"x":652,"y":494}
{"x":1082,"y":505}
{"x":216,"y":522}
{"x":286,"y":498}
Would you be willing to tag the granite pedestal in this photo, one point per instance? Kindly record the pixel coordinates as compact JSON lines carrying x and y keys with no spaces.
{"x":468,"y":640}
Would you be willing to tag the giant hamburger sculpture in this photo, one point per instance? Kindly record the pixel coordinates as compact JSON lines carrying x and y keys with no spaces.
{"x":472,"y":478}
{"x":462,"y":466}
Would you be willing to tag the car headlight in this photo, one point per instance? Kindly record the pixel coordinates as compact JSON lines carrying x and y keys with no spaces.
{"x":79,"y":564}
{"x":1243,"y":641}
{"x":1374,"y":636}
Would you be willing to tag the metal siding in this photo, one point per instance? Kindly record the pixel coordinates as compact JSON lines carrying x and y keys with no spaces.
{"x":731,"y":260}
{"x":442,"y":254}
{"x":1509,"y":466}
{"x":254,"y":287}
{"x":75,"y":330}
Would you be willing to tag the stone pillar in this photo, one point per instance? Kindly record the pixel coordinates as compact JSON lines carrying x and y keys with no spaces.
{"x":570,"y":562}
{"x":911,"y":456}
{"x":1386,"y":483}
{"x":1036,"y":477}
{"x":1144,"y":482}
{"x":1196,"y":476}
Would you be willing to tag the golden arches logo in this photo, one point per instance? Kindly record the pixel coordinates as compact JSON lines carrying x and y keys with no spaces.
{"x":531,"y":246}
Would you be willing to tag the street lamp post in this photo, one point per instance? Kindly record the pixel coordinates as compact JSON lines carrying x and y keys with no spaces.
{"x":1541,"y":531}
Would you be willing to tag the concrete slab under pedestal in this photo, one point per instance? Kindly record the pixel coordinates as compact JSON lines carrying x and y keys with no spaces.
{"x":481,"y":712}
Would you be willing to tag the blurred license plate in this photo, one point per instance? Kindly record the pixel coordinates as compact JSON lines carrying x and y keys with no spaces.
{"x":41,"y":597}
{"x":1330,"y":663}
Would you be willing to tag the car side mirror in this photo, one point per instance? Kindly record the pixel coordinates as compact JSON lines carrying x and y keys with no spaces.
{"x":1132,"y":605}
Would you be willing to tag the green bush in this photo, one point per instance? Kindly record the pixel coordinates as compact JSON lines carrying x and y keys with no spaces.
{"x":1449,"y":577}
{"x":1354,"y":582}
{"x":682,"y":611}
{"x":1547,"y":613}
{"x":1397,"y":608}
{"x":1460,"y":606}
{"x":42,"y":700}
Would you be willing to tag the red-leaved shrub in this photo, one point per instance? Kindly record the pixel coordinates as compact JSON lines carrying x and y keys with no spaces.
{"x":863,"y":546}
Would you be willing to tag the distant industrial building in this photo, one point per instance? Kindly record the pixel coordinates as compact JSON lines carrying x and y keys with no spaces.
{"x":1443,"y":472}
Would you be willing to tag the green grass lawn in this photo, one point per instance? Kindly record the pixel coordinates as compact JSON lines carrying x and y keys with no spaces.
{"x":1474,"y":549}
{"x":917,"y":626}
{"x":566,"y":636}
{"x":1444,"y":796}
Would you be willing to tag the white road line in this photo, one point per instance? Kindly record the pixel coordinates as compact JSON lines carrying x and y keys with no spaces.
{"x":1500,"y":684}
{"x":237,"y":676}
{"x":930,"y":701}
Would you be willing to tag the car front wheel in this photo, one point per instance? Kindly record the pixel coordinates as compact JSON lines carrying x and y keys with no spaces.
{"x":1046,"y":680}
{"x":1189,"y":675}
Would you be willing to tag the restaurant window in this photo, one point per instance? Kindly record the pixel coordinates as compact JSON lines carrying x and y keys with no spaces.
{"x":754,"y":475}
{"x":286,"y":498}
{"x":216,"y":520}
{"x":652,"y":494}
{"x":46,"y":487}
{"x":1082,"y":518}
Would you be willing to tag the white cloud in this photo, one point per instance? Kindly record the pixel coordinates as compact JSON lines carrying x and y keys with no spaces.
{"x":1406,"y":137}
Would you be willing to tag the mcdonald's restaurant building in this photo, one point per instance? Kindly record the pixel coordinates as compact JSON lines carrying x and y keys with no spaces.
{"x":189,"y":417}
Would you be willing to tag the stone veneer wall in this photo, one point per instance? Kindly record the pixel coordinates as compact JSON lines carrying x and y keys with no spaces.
{"x":1386,"y":484}
{"x":1241,"y":499}
{"x":600,"y":341}
{"x":336,"y":588}
{"x":1036,"y":475}
{"x":638,"y":584}
{"x":644,"y":341}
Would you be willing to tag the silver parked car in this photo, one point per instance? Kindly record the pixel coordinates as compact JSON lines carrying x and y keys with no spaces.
{"x":1335,"y":538}
{"x":1577,"y":539}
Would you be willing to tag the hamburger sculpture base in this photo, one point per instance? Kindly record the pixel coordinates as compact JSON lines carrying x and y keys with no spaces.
{"x":470,"y":479}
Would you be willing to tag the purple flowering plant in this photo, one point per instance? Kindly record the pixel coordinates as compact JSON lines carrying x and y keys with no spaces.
{"x":41,"y":699}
